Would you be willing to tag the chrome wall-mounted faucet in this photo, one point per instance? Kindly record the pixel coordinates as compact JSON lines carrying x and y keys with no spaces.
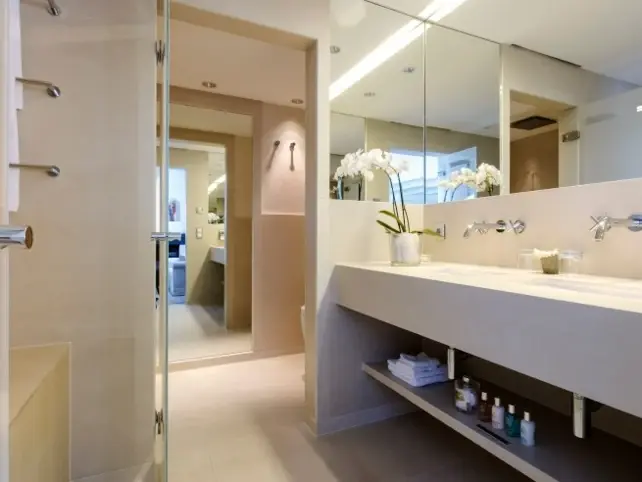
{"x":604,"y":224}
{"x":500,"y":226}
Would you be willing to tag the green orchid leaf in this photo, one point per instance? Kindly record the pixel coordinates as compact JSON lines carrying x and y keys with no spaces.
{"x":387,"y":227}
{"x":430,"y":232}
{"x":393,"y":216}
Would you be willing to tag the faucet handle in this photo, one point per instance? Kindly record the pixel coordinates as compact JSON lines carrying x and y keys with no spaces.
{"x":518,"y":226}
{"x":599,"y":222}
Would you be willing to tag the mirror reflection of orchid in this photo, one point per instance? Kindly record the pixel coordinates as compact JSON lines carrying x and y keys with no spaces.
{"x":485,"y":179}
{"x":363,"y":164}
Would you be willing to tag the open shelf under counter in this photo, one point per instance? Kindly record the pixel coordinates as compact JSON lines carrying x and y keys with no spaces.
{"x":583,"y":340}
{"x":557,"y":456}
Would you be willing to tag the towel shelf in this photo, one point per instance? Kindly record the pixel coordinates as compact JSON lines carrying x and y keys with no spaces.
{"x":52,"y":89}
{"x":51,"y":170}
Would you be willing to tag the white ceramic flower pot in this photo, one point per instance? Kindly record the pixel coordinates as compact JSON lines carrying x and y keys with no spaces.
{"x":405,"y":249}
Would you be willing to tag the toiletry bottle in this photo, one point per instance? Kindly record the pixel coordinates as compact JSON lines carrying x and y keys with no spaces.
{"x":511,"y":423}
{"x":465,"y":396}
{"x":498,"y":415}
{"x":484,"y":413}
{"x":527,"y":431}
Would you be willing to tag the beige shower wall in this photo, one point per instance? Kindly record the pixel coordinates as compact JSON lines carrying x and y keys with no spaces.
{"x":89,"y":279}
{"x":391,"y":135}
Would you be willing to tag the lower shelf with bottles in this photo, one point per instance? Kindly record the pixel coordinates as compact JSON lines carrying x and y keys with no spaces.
{"x":557,"y":455}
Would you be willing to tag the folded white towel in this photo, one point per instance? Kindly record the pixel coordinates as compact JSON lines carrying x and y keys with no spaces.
{"x":416,"y":372}
{"x":421,"y":381}
{"x":421,"y":360}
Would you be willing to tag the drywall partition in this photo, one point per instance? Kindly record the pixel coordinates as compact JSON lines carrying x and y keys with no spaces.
{"x":306,"y":26}
{"x":556,"y":218}
{"x":279,"y":252}
{"x":541,"y":76}
{"x":89,"y":279}
{"x":346,"y":338}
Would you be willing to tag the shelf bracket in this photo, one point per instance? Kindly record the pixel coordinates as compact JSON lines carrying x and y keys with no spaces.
{"x":451,"y":363}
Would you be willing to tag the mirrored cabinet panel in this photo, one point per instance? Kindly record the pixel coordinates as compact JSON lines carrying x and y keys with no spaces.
{"x":469,"y":113}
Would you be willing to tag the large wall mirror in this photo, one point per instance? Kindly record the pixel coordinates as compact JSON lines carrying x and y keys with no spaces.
{"x":458,"y":91}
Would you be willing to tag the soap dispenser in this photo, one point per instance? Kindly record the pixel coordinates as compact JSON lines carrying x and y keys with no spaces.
{"x":511,"y":423}
{"x":498,"y":415}
{"x":527,"y":431}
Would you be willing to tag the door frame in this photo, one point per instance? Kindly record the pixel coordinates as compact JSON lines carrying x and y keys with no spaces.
{"x":4,"y":261}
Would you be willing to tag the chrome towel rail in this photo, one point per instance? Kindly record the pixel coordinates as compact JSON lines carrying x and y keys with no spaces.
{"x":52,"y":89}
{"x":21,"y":236}
{"x":53,"y":9}
{"x":51,"y":170}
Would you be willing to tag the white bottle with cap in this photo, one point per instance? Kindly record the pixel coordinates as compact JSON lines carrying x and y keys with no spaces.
{"x":527,"y":430}
{"x":498,"y":415}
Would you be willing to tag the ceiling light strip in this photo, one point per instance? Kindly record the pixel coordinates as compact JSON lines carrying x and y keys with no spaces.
{"x":394,"y":44}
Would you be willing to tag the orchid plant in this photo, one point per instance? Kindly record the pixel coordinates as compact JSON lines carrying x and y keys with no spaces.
{"x":363,"y":164}
{"x":485,"y":179}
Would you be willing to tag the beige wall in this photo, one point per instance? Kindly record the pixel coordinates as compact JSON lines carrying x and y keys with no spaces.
{"x":534,"y":162}
{"x":279,"y":256}
{"x":89,"y":279}
{"x":202,"y":279}
{"x":282,"y":170}
{"x":239,"y":236}
{"x":390,"y":135}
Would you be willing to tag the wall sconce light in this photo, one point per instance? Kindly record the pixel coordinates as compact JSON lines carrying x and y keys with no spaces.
{"x":292,"y":145}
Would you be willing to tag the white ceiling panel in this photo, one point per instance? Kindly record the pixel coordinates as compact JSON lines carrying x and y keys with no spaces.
{"x":240,"y":66}
{"x":601,"y":36}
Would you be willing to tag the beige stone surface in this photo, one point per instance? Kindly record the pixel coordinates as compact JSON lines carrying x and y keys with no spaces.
{"x":39,"y":429}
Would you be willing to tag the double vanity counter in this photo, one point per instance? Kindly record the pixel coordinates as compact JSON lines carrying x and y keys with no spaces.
{"x":579,"y":333}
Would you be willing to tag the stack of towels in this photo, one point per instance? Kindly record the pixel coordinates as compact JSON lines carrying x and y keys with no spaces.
{"x":418,"y":370}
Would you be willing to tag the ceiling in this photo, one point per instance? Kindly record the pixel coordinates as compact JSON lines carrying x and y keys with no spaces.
{"x":210,"y":120}
{"x":240,"y":66}
{"x":461,"y":71}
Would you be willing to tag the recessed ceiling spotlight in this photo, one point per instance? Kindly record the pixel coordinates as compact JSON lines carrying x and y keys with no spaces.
{"x":369,"y":94}
{"x":297,"y":101}
{"x":209,"y":84}
{"x":639,"y":108}
{"x":335,"y":49}
{"x":408,"y":70}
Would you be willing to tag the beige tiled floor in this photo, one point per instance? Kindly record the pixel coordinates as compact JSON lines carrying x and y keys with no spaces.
{"x":199,"y":331}
{"x":243,"y":422}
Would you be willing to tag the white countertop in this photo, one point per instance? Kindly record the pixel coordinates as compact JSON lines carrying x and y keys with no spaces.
{"x":217,"y":254}
{"x":613,"y":293}
{"x":580,"y":333}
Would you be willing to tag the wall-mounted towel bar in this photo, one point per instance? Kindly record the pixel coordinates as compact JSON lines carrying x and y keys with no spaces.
{"x":53,"y":9}
{"x":21,"y":236}
{"x":52,"y":89}
{"x":51,"y":170}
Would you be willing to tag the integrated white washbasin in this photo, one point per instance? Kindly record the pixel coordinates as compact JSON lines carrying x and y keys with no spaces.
{"x":592,"y":285}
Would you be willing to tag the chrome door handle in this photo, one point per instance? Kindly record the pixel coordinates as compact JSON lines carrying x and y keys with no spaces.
{"x":21,"y":236}
{"x":161,"y":236}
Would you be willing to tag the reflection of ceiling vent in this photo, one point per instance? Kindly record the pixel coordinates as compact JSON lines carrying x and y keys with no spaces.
{"x":533,"y":122}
